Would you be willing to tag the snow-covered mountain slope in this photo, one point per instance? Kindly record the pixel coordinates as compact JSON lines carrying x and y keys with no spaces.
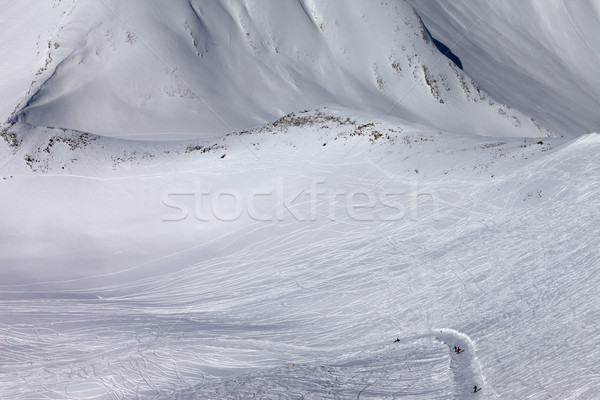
{"x":28,"y":48}
{"x":308,"y":246}
{"x":189,"y":68}
{"x":541,"y":57}
{"x":339,"y":251}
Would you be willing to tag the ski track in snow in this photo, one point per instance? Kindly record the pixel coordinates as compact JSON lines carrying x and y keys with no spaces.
{"x":464,"y":365}
{"x":226,"y":317}
{"x":127,"y":306}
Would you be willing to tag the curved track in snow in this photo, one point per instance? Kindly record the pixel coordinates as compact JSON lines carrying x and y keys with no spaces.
{"x":465,"y":366}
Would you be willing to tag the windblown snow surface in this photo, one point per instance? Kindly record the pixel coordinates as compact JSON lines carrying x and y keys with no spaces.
{"x":339,"y":251}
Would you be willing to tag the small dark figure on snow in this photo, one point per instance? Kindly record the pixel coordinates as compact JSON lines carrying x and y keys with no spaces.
{"x":475,"y":389}
{"x":397,"y":340}
{"x":455,"y":349}
{"x":458,"y":349}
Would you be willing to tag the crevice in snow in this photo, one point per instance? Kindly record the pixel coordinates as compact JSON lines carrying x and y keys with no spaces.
{"x":445,"y":50}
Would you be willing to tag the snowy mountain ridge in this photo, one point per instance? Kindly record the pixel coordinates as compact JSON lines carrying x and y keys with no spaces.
{"x":187,"y":68}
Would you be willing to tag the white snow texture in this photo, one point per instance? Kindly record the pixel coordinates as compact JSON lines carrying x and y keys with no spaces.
{"x":298,"y":199}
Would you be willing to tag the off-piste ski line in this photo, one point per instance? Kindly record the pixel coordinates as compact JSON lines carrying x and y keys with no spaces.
{"x":464,"y":364}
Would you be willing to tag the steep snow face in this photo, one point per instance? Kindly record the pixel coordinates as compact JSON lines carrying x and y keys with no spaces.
{"x":541,"y":57}
{"x":188,"y":68}
{"x":28,"y":48}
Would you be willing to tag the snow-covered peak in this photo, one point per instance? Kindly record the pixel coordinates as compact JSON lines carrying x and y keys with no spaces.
{"x":188,"y":68}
